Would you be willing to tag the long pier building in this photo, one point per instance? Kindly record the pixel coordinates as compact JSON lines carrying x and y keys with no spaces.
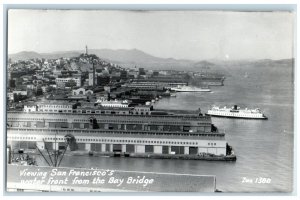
{"x":130,"y":131}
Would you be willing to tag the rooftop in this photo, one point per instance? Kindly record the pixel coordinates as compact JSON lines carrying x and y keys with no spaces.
{"x":54,"y":102}
{"x":128,"y":133}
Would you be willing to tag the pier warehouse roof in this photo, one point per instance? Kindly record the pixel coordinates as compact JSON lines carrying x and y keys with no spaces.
{"x":188,"y":123}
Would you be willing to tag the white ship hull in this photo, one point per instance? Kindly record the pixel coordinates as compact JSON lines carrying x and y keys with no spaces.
{"x":236,"y":115}
{"x":190,"y":89}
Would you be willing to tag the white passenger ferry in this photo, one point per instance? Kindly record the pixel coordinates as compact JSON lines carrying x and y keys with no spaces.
{"x":190,"y":89}
{"x":236,"y":112}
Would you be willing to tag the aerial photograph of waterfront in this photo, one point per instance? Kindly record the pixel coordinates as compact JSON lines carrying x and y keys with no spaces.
{"x":150,"y":101}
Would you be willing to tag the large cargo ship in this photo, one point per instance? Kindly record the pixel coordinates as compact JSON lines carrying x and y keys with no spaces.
{"x":236,"y":112}
{"x":190,"y":89}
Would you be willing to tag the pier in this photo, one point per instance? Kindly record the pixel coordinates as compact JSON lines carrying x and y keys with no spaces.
{"x":88,"y":120}
{"x":120,"y":141}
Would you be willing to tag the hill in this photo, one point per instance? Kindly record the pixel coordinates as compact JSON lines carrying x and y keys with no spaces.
{"x":135,"y":57}
{"x":126,"y":58}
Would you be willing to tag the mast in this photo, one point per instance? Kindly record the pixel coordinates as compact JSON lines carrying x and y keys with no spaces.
{"x":55,"y":161}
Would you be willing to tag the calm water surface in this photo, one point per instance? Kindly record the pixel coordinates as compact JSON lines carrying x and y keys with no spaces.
{"x":264,"y":148}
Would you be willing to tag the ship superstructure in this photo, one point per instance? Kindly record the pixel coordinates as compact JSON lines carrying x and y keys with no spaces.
{"x":236,"y":112}
{"x":190,"y":89}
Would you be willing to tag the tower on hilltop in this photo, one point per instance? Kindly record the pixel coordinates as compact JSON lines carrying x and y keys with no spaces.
{"x":86,"y":50}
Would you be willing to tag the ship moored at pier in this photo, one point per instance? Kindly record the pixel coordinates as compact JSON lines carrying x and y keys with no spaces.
{"x":190,"y":89}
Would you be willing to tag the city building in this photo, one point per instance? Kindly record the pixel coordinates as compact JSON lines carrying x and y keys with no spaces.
{"x":81,"y":91}
{"x":55,"y":106}
{"x":145,"y":85}
{"x":115,"y":103}
{"x":92,"y":79}
{"x":10,"y":96}
{"x":30,"y":107}
{"x":22,"y":92}
{"x":103,"y":80}
{"x":61,"y":82}
{"x":123,"y":75}
{"x":142,"y":71}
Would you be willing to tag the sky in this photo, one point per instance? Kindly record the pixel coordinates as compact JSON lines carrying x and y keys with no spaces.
{"x":194,"y":35}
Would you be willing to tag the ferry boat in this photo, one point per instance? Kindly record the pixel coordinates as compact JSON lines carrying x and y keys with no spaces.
{"x":190,"y":89}
{"x":236,"y":112}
